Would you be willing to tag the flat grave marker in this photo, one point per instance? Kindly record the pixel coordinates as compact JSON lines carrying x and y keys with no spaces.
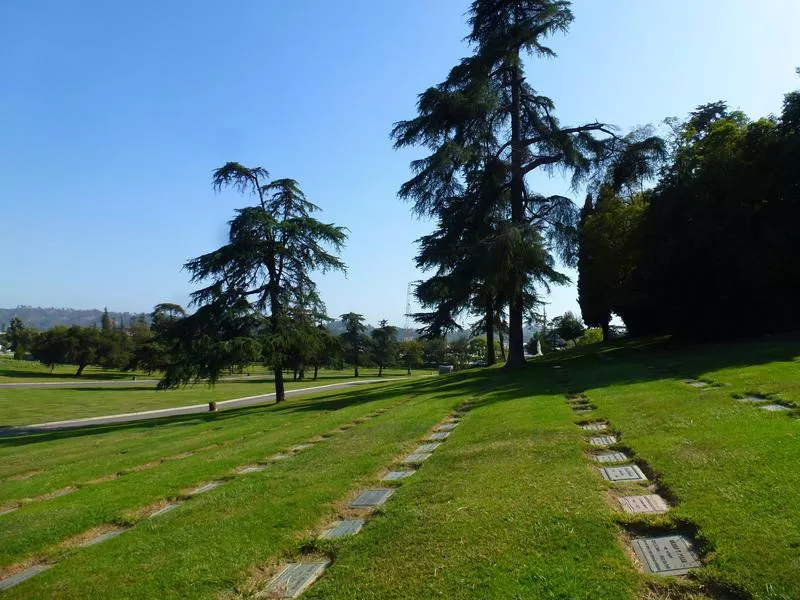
{"x":667,"y":555}
{"x":277,"y":457}
{"x":774,"y":407}
{"x":10,"y":509}
{"x":649,"y":504}
{"x":206,"y":487}
{"x":62,"y":492}
{"x":623,"y":473}
{"x":603,"y":440}
{"x":294,"y":579}
{"x":751,"y":399}
{"x":163,"y":510}
{"x":9,"y":582}
{"x":601,"y":426}
{"x":695,"y":383}
{"x":397,"y":475}
{"x":250,"y":469}
{"x":373,"y":497}
{"x":439,"y":435}
{"x":343,"y":529}
{"x":447,"y":427}
{"x":423,"y":448}
{"x":104,"y":537}
{"x":301,"y":447}
{"x":611,"y":457}
{"x":583,"y":410}
{"x":417,"y":457}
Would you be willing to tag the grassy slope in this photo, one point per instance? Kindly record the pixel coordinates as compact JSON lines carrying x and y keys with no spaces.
{"x":27,"y":371}
{"x":27,"y":406}
{"x":732,"y":467}
{"x":12,"y":371}
{"x":222,"y":442}
{"x":208,"y":546}
{"x":507,"y":508}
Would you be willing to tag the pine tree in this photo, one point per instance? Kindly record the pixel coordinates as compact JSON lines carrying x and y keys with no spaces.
{"x":255,"y":279}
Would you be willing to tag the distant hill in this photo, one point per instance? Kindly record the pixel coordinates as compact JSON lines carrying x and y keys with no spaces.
{"x":45,"y":318}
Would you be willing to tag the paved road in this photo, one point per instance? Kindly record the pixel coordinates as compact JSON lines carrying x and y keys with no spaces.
{"x":180,"y":410}
{"x":110,"y":382}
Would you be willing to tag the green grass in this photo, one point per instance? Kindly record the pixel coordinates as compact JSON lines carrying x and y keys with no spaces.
{"x":507,"y":508}
{"x":207,"y":545}
{"x":12,"y":371}
{"x":510,"y":506}
{"x":24,"y":406}
{"x":28,"y":371}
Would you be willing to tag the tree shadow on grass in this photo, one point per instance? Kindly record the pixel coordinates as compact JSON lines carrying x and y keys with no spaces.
{"x":20,"y":436}
{"x":600,"y":365}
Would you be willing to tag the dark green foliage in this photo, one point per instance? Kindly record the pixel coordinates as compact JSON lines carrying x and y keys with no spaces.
{"x":81,"y":346}
{"x":433,"y":351}
{"x":568,"y":327}
{"x":487,"y":128}
{"x":411,"y":353}
{"x":52,"y":347}
{"x":255,"y":283}
{"x":19,"y":338}
{"x":710,"y":251}
{"x":354,"y":341}
{"x":384,"y":345}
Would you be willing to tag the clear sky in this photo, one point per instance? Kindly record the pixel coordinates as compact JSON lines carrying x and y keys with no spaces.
{"x":114,"y":114}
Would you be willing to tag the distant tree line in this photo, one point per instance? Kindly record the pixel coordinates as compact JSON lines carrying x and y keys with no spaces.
{"x":150,"y":342}
{"x":710,"y":251}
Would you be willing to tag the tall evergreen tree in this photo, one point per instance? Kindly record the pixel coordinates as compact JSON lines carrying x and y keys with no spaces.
{"x":385,"y":342}
{"x":263,"y":270}
{"x":486,"y":111}
{"x":354,"y":338}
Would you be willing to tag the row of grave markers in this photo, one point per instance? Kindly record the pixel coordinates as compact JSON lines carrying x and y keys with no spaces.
{"x":660,"y":555}
{"x":296,"y":577}
{"x":14,"y":505}
{"x":762,"y":402}
{"x":114,"y":531}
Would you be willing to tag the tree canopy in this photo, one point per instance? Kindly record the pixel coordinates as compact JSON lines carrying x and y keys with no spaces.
{"x":254,"y":282}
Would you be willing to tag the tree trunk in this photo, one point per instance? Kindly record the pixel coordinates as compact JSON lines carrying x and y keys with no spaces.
{"x":380,"y":370}
{"x":356,"y":364}
{"x":516,"y":357}
{"x":302,"y":375}
{"x":80,"y":370}
{"x":316,"y":371}
{"x":280,"y":395}
{"x":490,"y":358}
{"x":606,"y":330}
{"x":502,"y":346}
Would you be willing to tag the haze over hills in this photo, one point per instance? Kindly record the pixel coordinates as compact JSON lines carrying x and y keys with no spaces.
{"x":45,"y":318}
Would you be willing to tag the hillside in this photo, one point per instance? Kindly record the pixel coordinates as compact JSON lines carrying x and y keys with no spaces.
{"x":45,"y":318}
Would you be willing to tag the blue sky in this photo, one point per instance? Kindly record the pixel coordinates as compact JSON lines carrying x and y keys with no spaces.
{"x":114,"y":114}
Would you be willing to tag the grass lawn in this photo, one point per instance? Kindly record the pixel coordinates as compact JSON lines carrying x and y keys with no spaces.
{"x":29,"y":371}
{"x":25,"y":406}
{"x":510,"y":506}
{"x":12,"y":371}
